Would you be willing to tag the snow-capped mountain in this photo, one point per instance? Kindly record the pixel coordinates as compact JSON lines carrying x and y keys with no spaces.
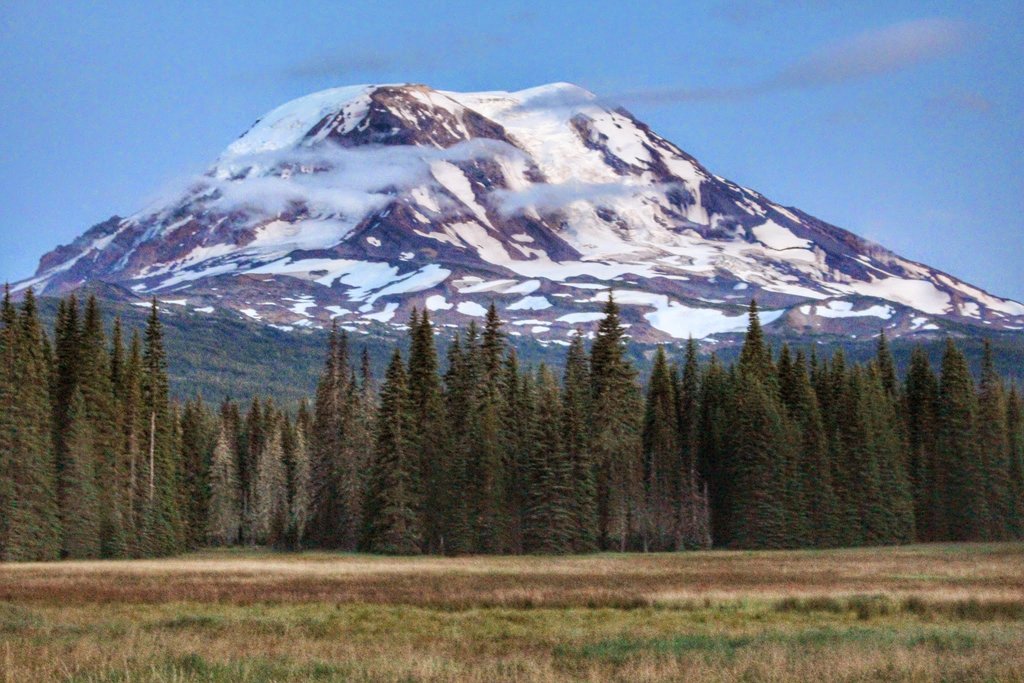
{"x":359,"y":203}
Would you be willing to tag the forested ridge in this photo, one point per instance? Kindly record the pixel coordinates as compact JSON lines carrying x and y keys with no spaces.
{"x":478,"y":454}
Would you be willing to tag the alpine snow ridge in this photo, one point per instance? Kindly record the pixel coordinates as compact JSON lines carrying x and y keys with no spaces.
{"x":357,"y":204}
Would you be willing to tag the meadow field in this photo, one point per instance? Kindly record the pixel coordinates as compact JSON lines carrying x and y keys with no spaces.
{"x":920,"y":613}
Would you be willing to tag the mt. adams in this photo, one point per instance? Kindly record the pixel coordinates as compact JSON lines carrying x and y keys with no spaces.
{"x":359,"y":203}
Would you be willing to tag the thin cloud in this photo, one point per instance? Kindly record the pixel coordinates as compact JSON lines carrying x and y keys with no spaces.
{"x":959,"y":102}
{"x":870,"y":54}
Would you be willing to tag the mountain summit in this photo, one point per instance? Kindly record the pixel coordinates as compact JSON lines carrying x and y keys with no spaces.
{"x":359,"y":203}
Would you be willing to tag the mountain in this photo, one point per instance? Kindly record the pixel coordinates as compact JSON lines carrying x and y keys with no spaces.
{"x":359,"y":203}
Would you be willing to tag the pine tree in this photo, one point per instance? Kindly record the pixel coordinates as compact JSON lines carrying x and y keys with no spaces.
{"x":338,"y":498}
{"x":270,"y":485}
{"x":576,"y":419}
{"x":134,"y":429}
{"x":427,"y":428}
{"x":994,"y":448}
{"x":694,"y":522}
{"x":616,"y":434}
{"x":548,"y":524}
{"x":756,"y":357}
{"x":920,"y":396}
{"x":29,"y":516}
{"x":225,"y":504}
{"x":757,"y":489}
{"x":1015,"y":439}
{"x":392,"y":525}
{"x":814,"y":469}
{"x":196,"y":454}
{"x":965,"y":496}
{"x":161,"y":520}
{"x":80,"y":512}
{"x":94,"y":383}
{"x":663,"y":466}
{"x":460,"y":381}
{"x":717,"y":412}
{"x":489,"y":509}
{"x":302,"y":486}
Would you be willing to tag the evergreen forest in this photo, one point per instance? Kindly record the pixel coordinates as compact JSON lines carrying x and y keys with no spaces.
{"x":474,"y":453}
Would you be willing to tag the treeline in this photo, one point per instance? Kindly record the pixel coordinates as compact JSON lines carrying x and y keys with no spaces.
{"x":774,"y":451}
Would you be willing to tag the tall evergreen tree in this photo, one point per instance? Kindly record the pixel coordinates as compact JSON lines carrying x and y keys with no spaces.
{"x":616,"y":434}
{"x":663,"y":466}
{"x":225,"y":504}
{"x":576,"y":420}
{"x":920,"y":397}
{"x":965,"y":501}
{"x":994,"y":448}
{"x":548,"y":525}
{"x":427,"y":428}
{"x":162,"y":528}
{"x":29,"y":514}
{"x":392,"y":525}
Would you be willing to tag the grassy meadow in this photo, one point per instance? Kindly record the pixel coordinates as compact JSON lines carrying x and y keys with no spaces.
{"x":920,"y":613}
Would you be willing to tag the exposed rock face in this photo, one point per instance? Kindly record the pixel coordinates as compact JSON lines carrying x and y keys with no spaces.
{"x":360,"y":203}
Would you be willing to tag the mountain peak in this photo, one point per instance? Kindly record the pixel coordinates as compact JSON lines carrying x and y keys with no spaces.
{"x":358,"y":203}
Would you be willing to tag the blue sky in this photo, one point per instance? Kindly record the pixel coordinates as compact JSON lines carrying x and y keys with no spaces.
{"x":902,"y":122}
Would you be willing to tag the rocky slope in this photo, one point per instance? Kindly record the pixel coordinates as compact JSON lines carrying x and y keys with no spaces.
{"x":359,"y":203}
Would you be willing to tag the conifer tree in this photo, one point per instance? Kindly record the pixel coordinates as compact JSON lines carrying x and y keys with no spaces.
{"x":1015,"y":440}
{"x":490,"y":515}
{"x":459,"y":386}
{"x":965,"y":501}
{"x":161,"y":520}
{"x":694,"y":522}
{"x":994,"y":448}
{"x":29,"y":514}
{"x":270,"y":486}
{"x":920,"y":396}
{"x":427,"y":427}
{"x":94,"y":383}
{"x":663,"y":466}
{"x":196,"y":454}
{"x":225,"y":505}
{"x":616,"y":434}
{"x":80,"y":512}
{"x":548,"y":524}
{"x":302,"y":487}
{"x":814,"y":470}
{"x":338,"y":459}
{"x":392,"y":525}
{"x":576,"y":419}
{"x":717,"y":411}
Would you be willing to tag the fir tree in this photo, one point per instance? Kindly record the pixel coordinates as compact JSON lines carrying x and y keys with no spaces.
{"x":694,"y":522}
{"x":994,"y":448}
{"x":576,"y":442}
{"x":270,"y":486}
{"x":1015,"y":440}
{"x":196,"y":453}
{"x":427,"y":428}
{"x":225,"y":504}
{"x":80,"y":512}
{"x":302,"y":486}
{"x":616,"y":439}
{"x":965,"y":496}
{"x":29,"y":514}
{"x":391,"y":519}
{"x":663,"y":466}
{"x":161,"y":519}
{"x":920,"y":396}
{"x":548,"y":524}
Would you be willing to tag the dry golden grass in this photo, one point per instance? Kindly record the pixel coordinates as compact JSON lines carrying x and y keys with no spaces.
{"x":919,"y":613}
